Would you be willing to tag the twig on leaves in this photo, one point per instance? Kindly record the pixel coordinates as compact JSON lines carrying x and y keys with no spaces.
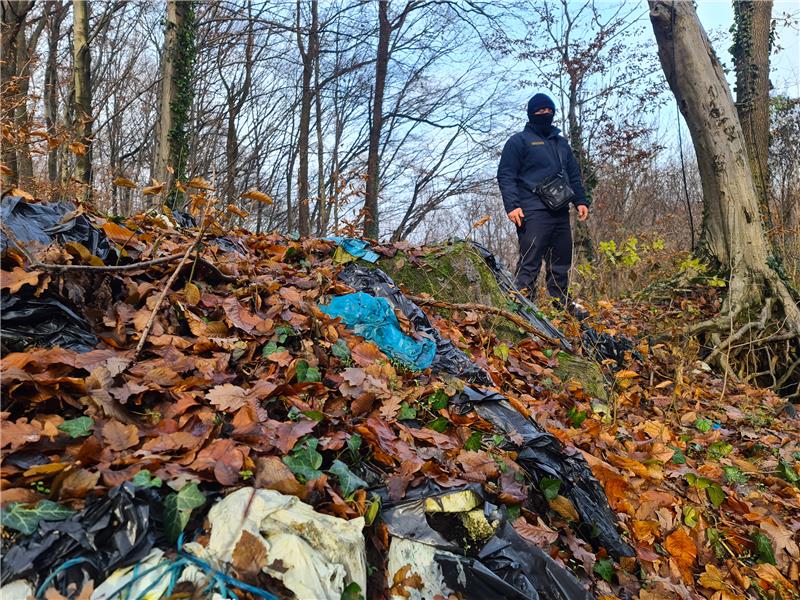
{"x":493,"y":310}
{"x":149,"y":325}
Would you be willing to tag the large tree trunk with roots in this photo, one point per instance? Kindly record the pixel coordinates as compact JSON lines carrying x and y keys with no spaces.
{"x":759,"y":308}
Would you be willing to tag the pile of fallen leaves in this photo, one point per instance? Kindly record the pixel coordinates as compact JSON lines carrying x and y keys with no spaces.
{"x":242,"y":380}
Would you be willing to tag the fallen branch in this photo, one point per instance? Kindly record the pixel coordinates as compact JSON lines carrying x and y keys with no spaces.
{"x":515,"y":319}
{"x":37,"y":265}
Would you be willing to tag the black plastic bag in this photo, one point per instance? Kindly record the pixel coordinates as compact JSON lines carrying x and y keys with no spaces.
{"x":114,"y":531}
{"x":42,"y":222}
{"x":526,"y":309}
{"x":448,"y":359}
{"x":603,"y":346}
{"x":44,"y":322}
{"x":542,"y":455}
{"x":506,"y":566}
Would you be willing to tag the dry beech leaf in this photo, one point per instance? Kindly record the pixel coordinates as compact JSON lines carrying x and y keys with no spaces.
{"x":77,"y":148}
{"x":191,"y":294}
{"x":153,"y":190}
{"x":19,"y":192}
{"x":235,"y":210}
{"x":124,"y":182}
{"x":199,"y":183}
{"x":16,"y":278}
{"x":249,"y":556}
{"x":682,"y":549}
{"x":256,"y":195}
{"x":119,"y":436}
{"x":564,"y":507}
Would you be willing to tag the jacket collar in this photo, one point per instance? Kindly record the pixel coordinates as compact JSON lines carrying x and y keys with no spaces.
{"x":554,"y":131}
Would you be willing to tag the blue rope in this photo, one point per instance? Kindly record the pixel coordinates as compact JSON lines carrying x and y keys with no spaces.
{"x":46,"y":583}
{"x":217,"y":579}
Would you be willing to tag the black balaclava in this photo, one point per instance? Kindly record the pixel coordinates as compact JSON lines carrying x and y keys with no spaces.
{"x":542,"y":124}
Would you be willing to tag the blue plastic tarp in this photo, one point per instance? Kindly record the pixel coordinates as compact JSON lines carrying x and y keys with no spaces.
{"x":356,"y":247}
{"x":374,"y":320}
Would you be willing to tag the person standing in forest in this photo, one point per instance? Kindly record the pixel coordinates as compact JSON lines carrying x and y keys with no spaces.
{"x":539,"y":178}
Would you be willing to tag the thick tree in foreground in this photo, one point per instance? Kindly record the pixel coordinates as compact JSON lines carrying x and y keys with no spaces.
{"x":82,"y":94}
{"x":759,"y":310}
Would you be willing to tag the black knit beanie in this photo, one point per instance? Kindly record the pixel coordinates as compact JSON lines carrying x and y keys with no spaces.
{"x":538,"y":102}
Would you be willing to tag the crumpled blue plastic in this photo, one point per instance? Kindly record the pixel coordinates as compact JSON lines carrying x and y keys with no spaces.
{"x":373,"y":319}
{"x":356,"y":247}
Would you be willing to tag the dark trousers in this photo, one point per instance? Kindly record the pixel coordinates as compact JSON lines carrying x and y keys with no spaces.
{"x":545,"y":236}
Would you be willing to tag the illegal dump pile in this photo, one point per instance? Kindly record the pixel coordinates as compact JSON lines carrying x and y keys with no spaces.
{"x":190,"y":411}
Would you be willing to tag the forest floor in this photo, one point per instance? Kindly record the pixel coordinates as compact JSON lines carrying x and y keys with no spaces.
{"x":243,"y":381}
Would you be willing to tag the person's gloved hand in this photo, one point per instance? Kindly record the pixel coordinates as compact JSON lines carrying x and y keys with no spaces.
{"x":583,"y":212}
{"x":516,"y":216}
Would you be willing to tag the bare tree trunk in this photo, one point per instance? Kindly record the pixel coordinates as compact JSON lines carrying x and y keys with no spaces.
{"x":307,"y":55}
{"x":733,"y":234}
{"x":751,"y":48}
{"x":21,"y":118}
{"x":371,"y":221}
{"x":57,"y":13}
{"x":322,"y":208}
{"x":13,"y":20}
{"x":83,"y":94}
{"x":166,"y":93}
{"x":176,"y":94}
{"x":582,"y":240}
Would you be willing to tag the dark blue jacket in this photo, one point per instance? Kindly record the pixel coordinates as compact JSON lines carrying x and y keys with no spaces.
{"x":529,"y":158}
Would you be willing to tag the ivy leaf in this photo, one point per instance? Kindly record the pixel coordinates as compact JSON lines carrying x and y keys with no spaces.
{"x":145,"y":479}
{"x":305,"y":461}
{"x":764,"y":551}
{"x":373,"y":510}
{"x":734,"y":475}
{"x":352,"y":592}
{"x":474,"y":441}
{"x":787,"y":472}
{"x":341,"y":351}
{"x":715,"y":494}
{"x":178,"y":509}
{"x":75,"y":428}
{"x":25,"y":518}
{"x":348,"y":481}
{"x":501,"y":352}
{"x":354,"y":444}
{"x":438,"y":400}
{"x":719,"y":450}
{"x":703,"y":425}
{"x":678,"y":457}
{"x":439,"y":424}
{"x":314,"y":415}
{"x":406,"y":412}
{"x":306,"y":373}
{"x":271,"y":348}
{"x":550,"y":487}
{"x":690,"y":516}
{"x":576,"y":417}
{"x":605,"y":569}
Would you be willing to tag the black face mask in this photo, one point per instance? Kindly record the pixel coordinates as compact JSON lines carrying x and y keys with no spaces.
{"x":542,"y":121}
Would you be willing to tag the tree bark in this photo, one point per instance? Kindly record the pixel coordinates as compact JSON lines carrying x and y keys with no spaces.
{"x":306,"y":96}
{"x":733,"y":234}
{"x":176,"y":94}
{"x":57,"y":12}
{"x":322,"y":207}
{"x":371,"y":218}
{"x":751,"y":48}
{"x":582,"y":240}
{"x":82,"y":100}
{"x":13,"y":20}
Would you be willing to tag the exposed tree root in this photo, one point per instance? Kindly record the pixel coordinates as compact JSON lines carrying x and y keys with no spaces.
{"x":764,"y":350}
